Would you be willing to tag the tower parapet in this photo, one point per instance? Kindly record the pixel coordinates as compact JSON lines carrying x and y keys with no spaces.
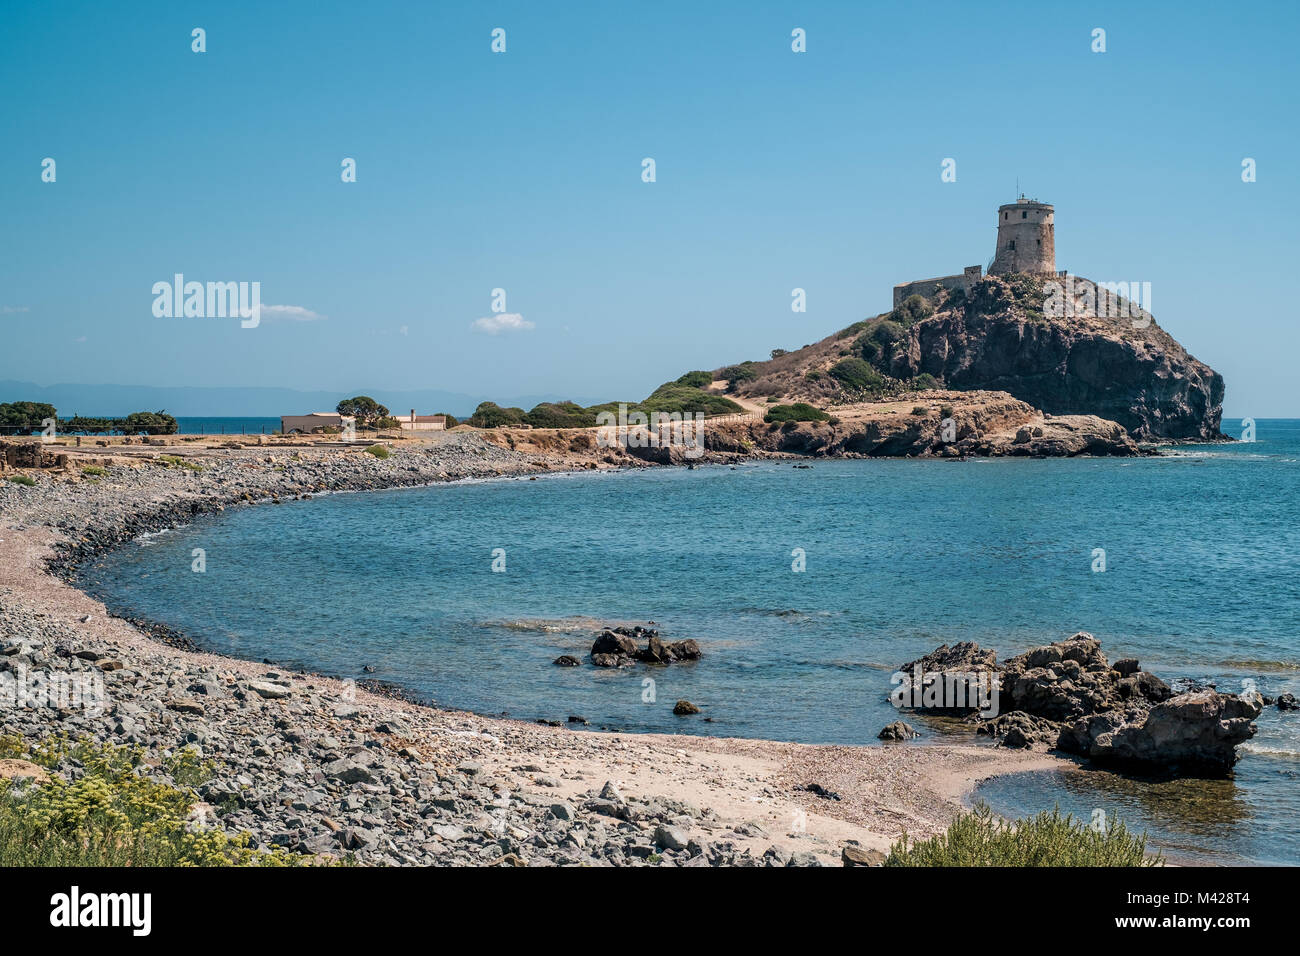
{"x":1026,"y":238}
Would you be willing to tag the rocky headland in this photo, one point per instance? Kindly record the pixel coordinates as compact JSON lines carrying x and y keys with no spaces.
{"x":1121,"y":378}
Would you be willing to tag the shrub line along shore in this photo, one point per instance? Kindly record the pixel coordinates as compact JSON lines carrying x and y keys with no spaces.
{"x":315,"y":765}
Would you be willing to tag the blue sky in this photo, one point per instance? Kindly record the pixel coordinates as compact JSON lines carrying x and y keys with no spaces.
{"x":522,"y":171}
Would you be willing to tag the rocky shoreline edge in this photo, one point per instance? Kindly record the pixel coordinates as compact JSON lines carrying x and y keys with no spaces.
{"x":324,"y":767}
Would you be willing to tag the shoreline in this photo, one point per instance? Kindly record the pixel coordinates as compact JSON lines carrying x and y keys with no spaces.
{"x":731,"y":801}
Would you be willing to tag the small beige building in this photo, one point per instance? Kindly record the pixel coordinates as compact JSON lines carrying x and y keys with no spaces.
{"x":421,"y":423}
{"x":314,"y":422}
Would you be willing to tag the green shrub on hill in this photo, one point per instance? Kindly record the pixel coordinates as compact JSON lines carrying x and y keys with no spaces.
{"x":876,"y":344}
{"x":560,"y":415}
{"x":798,"y":412}
{"x":856,"y":375}
{"x":672,"y":397}
{"x":695,"y":379}
{"x":492,"y":415}
{"x":856,"y":327}
{"x":739,"y":374}
{"x":912,"y":309}
{"x":679,"y":396}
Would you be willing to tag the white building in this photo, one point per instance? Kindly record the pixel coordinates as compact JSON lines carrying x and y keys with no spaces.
{"x":421,"y":423}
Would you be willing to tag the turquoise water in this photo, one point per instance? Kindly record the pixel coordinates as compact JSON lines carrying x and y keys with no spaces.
{"x":216,"y":425}
{"x":1202,"y":550}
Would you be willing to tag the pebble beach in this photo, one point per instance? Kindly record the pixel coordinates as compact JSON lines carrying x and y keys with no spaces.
{"x":335,"y":769}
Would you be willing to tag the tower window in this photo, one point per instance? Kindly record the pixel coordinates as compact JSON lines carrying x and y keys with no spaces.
{"x":1040,"y":242}
{"x":1005,"y":214}
{"x":1011,"y":244}
{"x":1024,"y":215}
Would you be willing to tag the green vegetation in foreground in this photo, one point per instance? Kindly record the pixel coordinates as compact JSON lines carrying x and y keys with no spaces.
{"x":94,"y":470}
{"x":26,"y":480}
{"x":685,"y":396}
{"x":112,"y":814}
{"x":798,"y":412}
{"x":176,"y":461}
{"x":379,"y":451}
{"x":1049,"y":839}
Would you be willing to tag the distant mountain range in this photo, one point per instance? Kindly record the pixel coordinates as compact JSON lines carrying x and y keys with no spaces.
{"x":187,"y":401}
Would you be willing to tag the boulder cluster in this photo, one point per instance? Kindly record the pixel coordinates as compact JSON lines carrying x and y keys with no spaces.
{"x":618,"y":648}
{"x":1067,"y":695}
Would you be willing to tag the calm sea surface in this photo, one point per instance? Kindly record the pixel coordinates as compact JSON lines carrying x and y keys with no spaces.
{"x":1202,"y":555}
{"x":216,"y":425}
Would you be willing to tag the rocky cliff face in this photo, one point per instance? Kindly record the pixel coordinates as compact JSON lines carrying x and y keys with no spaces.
{"x":1000,"y":339}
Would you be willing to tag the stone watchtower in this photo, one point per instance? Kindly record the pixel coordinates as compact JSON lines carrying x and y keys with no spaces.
{"x":1026,"y":238}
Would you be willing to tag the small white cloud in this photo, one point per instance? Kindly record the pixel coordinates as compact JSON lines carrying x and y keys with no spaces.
{"x":291,"y":313}
{"x":13,"y":309}
{"x":503,"y":322}
{"x":403,"y":330}
{"x":79,"y":338}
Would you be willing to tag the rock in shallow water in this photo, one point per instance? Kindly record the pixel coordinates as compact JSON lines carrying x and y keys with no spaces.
{"x":1066,"y":695}
{"x":898,"y":730}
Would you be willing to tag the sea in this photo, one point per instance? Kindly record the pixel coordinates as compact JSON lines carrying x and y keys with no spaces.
{"x":806,"y":588}
{"x":217,"y":425}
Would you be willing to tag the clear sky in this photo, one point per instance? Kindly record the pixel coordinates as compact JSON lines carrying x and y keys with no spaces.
{"x":522,"y":170}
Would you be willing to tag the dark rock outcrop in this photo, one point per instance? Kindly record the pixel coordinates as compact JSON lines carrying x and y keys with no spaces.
{"x":1021,"y":730}
{"x":618,"y":647}
{"x":898,"y":730}
{"x":1191,"y":733}
{"x":1068,"y":696}
{"x":1001,"y":339}
{"x":936,"y":681}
